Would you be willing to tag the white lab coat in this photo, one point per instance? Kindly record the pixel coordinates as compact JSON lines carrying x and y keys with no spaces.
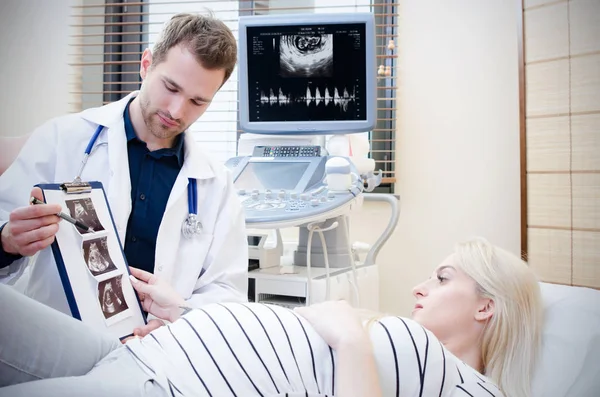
{"x":209,"y":268}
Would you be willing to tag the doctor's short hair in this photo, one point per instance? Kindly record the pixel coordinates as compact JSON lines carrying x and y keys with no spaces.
{"x":205,"y":36}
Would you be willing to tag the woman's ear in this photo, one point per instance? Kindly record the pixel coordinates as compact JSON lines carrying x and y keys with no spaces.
{"x":485,"y":310}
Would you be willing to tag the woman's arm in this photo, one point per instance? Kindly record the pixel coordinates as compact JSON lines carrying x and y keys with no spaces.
{"x":339,"y":325}
{"x":356,"y":372}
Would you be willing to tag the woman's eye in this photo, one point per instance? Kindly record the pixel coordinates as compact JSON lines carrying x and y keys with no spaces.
{"x":171,"y":89}
{"x":441,"y":279}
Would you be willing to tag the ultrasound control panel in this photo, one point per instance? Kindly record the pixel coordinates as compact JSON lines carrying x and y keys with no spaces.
{"x":287,"y":151}
{"x":279,"y":188}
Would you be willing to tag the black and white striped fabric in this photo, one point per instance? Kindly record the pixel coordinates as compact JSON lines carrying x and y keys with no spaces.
{"x":262,"y":350}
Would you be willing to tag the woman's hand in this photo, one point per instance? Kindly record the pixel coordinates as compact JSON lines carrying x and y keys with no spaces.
{"x":335,"y":321}
{"x":157,"y":296}
{"x":339,"y":325}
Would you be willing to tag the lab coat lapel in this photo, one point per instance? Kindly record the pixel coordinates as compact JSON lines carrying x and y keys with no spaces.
{"x":169,"y":241}
{"x":119,"y":189}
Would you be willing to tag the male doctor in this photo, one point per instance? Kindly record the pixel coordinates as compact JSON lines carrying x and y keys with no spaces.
{"x":144,"y":158}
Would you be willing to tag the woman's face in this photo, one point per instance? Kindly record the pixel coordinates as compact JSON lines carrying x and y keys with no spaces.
{"x":448,"y":303}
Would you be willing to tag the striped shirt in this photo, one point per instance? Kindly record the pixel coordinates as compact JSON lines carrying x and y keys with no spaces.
{"x":249,"y":349}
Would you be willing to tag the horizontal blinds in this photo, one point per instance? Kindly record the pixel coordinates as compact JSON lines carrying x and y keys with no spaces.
{"x":562,"y":64}
{"x":109,"y":37}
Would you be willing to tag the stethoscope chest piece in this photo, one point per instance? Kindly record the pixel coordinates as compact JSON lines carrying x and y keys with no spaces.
{"x":191,"y":227}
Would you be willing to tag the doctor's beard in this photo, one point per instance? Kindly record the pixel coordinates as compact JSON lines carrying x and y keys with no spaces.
{"x":155,"y":126}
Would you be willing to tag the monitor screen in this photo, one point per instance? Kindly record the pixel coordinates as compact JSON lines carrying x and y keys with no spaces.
{"x":307,"y":74}
{"x":271,"y":175}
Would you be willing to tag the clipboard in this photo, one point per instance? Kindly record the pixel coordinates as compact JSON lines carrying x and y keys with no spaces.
{"x":92,"y":265}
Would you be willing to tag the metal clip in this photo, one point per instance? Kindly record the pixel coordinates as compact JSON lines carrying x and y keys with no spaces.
{"x":76,"y":187}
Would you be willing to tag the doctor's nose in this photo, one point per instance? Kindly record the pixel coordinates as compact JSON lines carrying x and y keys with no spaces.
{"x":177,"y":108}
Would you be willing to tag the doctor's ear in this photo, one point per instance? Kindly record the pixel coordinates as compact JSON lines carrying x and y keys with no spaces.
{"x":145,"y":63}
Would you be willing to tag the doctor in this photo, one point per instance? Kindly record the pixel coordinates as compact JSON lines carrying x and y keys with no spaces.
{"x":154,"y":173}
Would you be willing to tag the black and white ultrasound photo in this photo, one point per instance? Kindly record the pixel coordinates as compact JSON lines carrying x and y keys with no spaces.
{"x":97,"y":257}
{"x":83,"y":210}
{"x":110,"y":295}
{"x":308,"y":55}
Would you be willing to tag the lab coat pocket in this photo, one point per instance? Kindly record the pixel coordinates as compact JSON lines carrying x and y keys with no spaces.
{"x":192,"y":259}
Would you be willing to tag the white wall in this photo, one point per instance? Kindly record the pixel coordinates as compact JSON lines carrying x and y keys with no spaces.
{"x":458,"y":137}
{"x":458,"y":133}
{"x":457,"y":141}
{"x":34,"y":77}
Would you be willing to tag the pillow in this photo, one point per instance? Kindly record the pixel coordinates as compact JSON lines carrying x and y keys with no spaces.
{"x":570,"y":358}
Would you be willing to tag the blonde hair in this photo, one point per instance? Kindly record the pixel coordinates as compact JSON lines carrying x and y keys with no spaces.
{"x":511,"y":339}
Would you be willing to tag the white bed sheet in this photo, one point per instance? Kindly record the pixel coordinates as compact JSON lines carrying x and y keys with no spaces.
{"x":570,"y":360}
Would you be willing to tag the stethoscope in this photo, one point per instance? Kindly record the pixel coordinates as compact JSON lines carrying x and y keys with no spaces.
{"x":191,"y":226}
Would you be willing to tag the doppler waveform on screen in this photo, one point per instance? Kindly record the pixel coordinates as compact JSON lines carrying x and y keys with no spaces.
{"x":319,"y":96}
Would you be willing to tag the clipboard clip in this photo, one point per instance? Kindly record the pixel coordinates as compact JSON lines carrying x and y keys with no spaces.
{"x":76,"y":187}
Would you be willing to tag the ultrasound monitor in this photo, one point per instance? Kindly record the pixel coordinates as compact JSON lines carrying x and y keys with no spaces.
{"x":307,"y":74}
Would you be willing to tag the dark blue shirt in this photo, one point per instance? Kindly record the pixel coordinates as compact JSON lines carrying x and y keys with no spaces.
{"x":152,"y":176}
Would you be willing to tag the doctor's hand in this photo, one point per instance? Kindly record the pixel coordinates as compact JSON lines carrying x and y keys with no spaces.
{"x":157,"y":296}
{"x":336,"y":322}
{"x":31,"y":229}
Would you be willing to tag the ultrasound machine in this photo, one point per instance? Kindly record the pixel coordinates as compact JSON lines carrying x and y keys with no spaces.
{"x":310,"y":76}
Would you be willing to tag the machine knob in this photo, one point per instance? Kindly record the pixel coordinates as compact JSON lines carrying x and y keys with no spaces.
{"x":254,"y":195}
{"x":242,"y":192}
{"x":304,"y":197}
{"x":255,"y":191}
{"x":314,"y":202}
{"x":294,"y":196}
{"x":281,"y":194}
{"x":330,"y":195}
{"x":268,"y":194}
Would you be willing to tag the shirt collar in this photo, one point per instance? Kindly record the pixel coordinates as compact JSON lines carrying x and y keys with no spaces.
{"x":129,"y":131}
{"x":178,"y":146}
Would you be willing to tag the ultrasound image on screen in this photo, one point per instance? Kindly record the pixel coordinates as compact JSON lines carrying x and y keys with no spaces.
{"x":307,"y":73}
{"x":306,"y":55}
